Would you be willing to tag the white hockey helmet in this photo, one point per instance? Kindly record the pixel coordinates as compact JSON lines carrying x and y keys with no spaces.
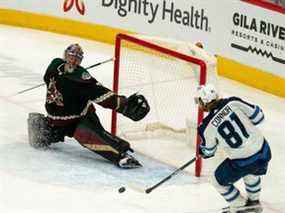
{"x":206,"y":94}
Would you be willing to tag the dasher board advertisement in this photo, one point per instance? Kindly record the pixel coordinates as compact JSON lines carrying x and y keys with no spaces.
{"x":234,"y":29}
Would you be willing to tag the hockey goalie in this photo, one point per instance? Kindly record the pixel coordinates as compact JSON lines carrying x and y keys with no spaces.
{"x":71,"y":92}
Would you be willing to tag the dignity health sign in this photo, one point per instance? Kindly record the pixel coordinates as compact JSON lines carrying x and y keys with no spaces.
{"x":236,"y":30}
{"x":161,"y":11}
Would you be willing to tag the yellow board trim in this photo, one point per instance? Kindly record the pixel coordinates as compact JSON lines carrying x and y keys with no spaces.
{"x":226,"y":67}
{"x":251,"y":76}
{"x":59,"y":25}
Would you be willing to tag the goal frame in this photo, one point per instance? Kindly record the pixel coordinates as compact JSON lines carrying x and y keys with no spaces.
{"x":187,"y":58}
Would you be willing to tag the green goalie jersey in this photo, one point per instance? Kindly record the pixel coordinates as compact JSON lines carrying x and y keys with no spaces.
{"x":69,"y":94}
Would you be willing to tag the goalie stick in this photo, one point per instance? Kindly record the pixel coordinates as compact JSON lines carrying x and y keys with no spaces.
{"x":39,"y":85}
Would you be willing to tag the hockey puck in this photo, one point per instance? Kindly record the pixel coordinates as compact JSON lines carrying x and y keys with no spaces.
{"x":122,"y":189}
{"x":148,"y":191}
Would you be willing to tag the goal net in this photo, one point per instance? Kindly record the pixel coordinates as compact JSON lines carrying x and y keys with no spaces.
{"x":167,"y":73}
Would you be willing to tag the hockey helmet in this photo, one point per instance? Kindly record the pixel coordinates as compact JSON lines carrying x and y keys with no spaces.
{"x":206,"y":94}
{"x":73,"y":55}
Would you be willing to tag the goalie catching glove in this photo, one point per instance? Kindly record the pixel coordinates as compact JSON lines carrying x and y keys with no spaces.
{"x":134,"y":107}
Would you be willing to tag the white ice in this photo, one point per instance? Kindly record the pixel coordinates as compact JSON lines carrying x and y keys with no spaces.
{"x":68,"y":178}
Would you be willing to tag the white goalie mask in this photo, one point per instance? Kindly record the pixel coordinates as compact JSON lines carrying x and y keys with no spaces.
{"x":73,"y":56}
{"x":206,"y":94}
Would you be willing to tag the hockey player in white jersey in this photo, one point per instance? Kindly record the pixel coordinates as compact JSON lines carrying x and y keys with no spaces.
{"x":231,"y":125}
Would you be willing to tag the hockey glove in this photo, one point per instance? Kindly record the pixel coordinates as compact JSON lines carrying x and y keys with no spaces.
{"x":203,"y":153}
{"x":136,"y":107}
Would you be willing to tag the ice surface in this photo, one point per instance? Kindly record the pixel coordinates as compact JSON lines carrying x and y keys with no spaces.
{"x":68,"y":178}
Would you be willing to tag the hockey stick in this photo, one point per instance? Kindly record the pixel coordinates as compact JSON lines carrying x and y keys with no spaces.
{"x":149,"y":190}
{"x":39,"y":85}
{"x":102,"y":62}
{"x":177,"y":171}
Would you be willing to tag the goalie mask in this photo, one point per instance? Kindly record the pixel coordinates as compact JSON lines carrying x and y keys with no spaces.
{"x":73,"y":56}
{"x":207,"y":96}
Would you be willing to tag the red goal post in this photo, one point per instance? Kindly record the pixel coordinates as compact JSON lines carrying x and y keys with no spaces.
{"x":148,"y":47}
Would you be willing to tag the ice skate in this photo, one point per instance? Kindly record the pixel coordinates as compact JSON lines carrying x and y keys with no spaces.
{"x":249,"y":207}
{"x":253,"y":206}
{"x":128,"y":162}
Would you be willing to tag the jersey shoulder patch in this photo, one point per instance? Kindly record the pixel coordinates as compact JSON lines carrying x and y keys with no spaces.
{"x":86,"y":76}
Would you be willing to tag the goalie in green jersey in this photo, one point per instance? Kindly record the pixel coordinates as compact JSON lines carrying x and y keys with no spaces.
{"x":71,"y":92}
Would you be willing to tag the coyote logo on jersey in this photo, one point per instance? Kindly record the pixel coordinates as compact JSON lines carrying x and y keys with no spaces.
{"x":80,"y":6}
{"x":53,"y":95}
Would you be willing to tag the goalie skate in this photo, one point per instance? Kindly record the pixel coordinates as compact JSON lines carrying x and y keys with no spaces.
{"x":128,"y":162}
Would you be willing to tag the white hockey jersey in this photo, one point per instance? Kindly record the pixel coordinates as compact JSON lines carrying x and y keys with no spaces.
{"x":231,"y":125}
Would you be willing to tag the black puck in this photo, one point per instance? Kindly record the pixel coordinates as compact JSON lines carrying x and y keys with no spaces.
{"x":122,"y":189}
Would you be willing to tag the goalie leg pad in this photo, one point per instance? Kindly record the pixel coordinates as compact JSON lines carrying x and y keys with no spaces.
{"x":41,"y":135}
{"x":37,"y":126}
{"x":91,"y":135}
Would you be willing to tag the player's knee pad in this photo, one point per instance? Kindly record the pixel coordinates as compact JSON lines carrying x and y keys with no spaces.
{"x":252,"y":180}
{"x":41,"y":135}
